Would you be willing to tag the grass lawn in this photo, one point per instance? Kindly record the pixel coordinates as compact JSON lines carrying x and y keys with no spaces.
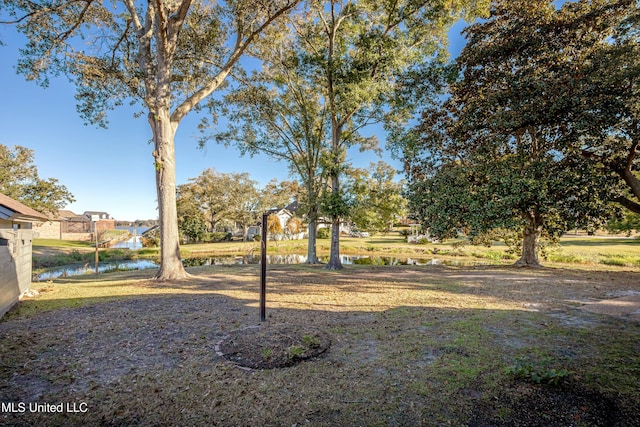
{"x":409,"y":346}
{"x":576,"y":251}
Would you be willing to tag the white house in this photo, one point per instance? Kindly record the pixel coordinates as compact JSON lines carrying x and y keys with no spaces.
{"x":283,"y":215}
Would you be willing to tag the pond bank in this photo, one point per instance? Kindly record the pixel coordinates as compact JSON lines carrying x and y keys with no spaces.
{"x":289,"y":259}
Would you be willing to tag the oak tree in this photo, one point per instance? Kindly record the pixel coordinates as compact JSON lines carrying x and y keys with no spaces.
{"x":167,"y":56}
{"x":500,"y":152}
{"x":377,"y":198}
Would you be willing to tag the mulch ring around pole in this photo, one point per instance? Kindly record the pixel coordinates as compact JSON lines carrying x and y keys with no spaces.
{"x":268,"y":346}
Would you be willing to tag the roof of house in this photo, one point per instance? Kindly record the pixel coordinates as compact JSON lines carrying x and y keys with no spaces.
{"x":279,"y":211}
{"x":13,"y":210}
{"x":100,"y":214}
{"x":293,"y":207}
{"x":64,"y":213}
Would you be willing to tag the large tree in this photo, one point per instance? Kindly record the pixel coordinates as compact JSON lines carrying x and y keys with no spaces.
{"x":278,"y":111}
{"x":605,"y":97}
{"x":192,"y":220}
{"x":214,"y":198}
{"x":19,"y":180}
{"x":229,"y":197}
{"x":167,"y":56}
{"x":500,"y":153}
{"x":355,"y":51}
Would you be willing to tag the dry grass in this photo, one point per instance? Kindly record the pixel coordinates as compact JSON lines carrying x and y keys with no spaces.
{"x":409,"y":346}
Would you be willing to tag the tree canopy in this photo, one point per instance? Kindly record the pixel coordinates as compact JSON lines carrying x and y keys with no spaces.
{"x":377,"y":200}
{"x":216,"y":201}
{"x":278,"y":111}
{"x":507,"y":148}
{"x":19,"y":180}
{"x":168,"y":57}
{"x":333,"y":76}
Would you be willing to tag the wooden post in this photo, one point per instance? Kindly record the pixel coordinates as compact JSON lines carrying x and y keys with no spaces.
{"x":263,"y":269}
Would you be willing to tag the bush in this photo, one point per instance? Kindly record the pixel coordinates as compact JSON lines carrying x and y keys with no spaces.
{"x":620,"y":260}
{"x":150,"y":242}
{"x":219,"y":236}
{"x":324,"y":233}
{"x":567,"y":258}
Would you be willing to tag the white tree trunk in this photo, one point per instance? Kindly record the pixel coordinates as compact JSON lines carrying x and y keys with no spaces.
{"x":171,"y":267}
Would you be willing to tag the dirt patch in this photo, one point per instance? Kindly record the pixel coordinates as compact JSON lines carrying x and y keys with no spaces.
{"x":530,"y":405}
{"x":272,"y":346}
{"x":626,"y":307}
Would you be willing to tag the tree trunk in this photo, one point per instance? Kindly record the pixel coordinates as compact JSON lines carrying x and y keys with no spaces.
{"x":245,"y":232}
{"x":171,"y":267}
{"x":530,"y":242}
{"x":334,"y":255}
{"x":312,"y":231}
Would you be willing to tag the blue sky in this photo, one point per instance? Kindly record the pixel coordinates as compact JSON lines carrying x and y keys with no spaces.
{"x":112,"y":169}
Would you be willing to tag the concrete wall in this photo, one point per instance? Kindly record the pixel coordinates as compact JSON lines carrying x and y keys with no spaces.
{"x":15,"y":262}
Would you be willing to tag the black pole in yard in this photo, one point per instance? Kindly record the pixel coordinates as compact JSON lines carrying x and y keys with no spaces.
{"x":263,"y":269}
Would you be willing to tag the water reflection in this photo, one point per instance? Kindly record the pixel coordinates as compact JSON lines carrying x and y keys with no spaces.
{"x":301,"y":259}
{"x":241,"y":260}
{"x":89,"y":268}
{"x":133,"y":243}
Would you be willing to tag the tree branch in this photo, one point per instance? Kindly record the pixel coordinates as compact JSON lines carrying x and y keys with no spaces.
{"x":629,"y":204}
{"x":186,"y":106}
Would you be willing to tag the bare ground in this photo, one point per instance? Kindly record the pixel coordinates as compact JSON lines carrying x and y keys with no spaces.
{"x":393,"y":346}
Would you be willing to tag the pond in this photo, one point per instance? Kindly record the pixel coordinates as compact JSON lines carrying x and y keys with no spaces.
{"x":301,"y":259}
{"x":89,"y":268}
{"x":133,"y":243}
{"x":143,"y":264}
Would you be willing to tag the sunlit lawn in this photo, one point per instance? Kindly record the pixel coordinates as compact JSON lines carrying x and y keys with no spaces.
{"x":580,"y":251}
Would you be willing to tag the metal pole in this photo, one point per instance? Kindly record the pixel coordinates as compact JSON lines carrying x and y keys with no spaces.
{"x":263,"y":269}
{"x":95,"y":231}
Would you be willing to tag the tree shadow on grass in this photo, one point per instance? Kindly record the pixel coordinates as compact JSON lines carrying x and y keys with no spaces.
{"x":401,"y":359}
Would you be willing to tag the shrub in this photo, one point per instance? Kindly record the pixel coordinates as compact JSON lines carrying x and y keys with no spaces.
{"x":149,"y":242}
{"x":76,"y":255}
{"x":566,"y":258}
{"x":219,"y":236}
{"x":324,"y":233}
{"x":620,"y":260}
{"x":295,"y":225}
{"x":423,"y":240}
